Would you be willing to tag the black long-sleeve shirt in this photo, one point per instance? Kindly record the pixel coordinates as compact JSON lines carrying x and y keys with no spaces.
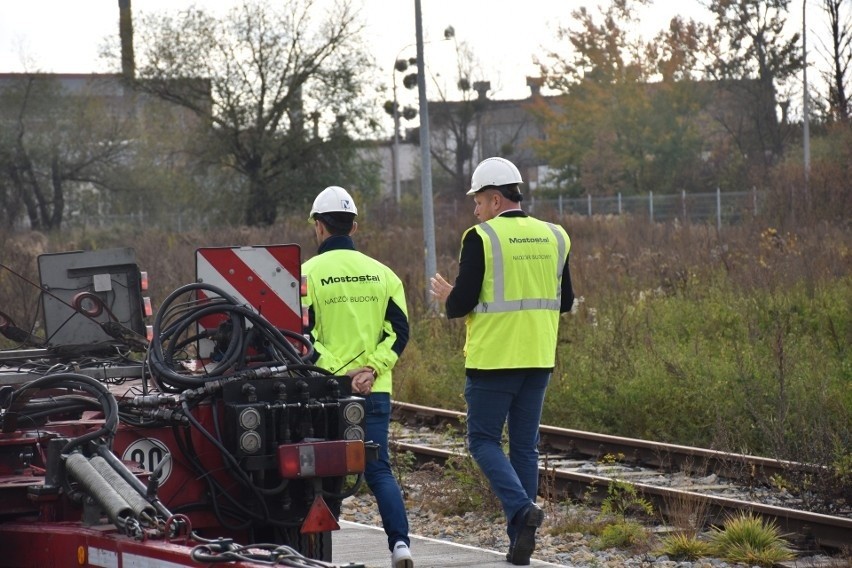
{"x":393,"y":313}
{"x":464,"y":296}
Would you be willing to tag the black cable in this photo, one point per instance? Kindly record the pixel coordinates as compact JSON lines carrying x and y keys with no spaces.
{"x":161,"y":358}
{"x":68,"y":407}
{"x":343,"y":495}
{"x":216,"y":490}
{"x":236,"y":508}
{"x":243,"y":329}
{"x":265,"y":491}
{"x":241,"y":475}
{"x":75,"y":382}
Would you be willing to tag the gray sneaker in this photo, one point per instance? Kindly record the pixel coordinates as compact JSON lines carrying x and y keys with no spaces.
{"x":401,"y":556}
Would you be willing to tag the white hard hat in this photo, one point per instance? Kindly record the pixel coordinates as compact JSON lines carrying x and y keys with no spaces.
{"x":333,"y":199}
{"x":493,"y":171}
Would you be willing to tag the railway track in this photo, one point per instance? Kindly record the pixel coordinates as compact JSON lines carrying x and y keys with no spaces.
{"x":674,"y":478}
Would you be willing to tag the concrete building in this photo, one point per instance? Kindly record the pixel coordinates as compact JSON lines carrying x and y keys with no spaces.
{"x":740,"y":110}
{"x":489,"y":127}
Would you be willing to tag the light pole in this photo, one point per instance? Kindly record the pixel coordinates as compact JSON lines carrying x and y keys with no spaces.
{"x":400,"y":65}
{"x":426,"y":162}
{"x":395,"y":152}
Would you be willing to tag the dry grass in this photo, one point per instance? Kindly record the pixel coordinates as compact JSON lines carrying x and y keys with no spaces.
{"x":686,"y":515}
{"x":620,"y":267}
{"x":610,"y":256}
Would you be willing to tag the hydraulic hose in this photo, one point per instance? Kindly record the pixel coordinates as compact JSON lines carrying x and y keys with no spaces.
{"x":243,"y":329}
{"x":19,"y":403}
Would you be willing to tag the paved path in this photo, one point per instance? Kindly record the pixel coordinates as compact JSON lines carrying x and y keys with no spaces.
{"x":356,"y":543}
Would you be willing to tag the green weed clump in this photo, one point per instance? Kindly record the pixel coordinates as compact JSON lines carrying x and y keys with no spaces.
{"x":576,"y":520}
{"x":683,"y":546}
{"x":686,"y":513}
{"x":623,"y":498}
{"x":624,"y":533}
{"x":748,"y":539}
{"x":618,"y":531}
{"x":465,"y":488}
{"x":842,"y":467}
{"x":455,"y":487}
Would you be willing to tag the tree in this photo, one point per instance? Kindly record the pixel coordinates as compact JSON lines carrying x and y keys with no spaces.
{"x":614,"y":129}
{"x":170,"y":179}
{"x":455,"y":131}
{"x":751,"y":53}
{"x":279,"y":91}
{"x":54,"y":142}
{"x":839,"y":56}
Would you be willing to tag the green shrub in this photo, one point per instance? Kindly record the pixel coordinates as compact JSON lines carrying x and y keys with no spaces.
{"x":682,"y":546}
{"x":431,"y":370}
{"x":623,"y":498}
{"x":747,"y":538}
{"x":576,"y":521}
{"x":704,"y":370}
{"x":622,"y":534}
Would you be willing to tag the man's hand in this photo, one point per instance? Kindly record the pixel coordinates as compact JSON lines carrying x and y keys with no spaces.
{"x":440,"y":288}
{"x":362,"y":379}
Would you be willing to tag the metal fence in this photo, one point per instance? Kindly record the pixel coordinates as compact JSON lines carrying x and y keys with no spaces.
{"x":717,"y":207}
{"x":730,"y":207}
{"x":177,"y":222}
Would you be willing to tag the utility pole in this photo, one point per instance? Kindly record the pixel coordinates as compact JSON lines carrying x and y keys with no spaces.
{"x":426,"y":163}
{"x":396,"y":183}
{"x":125,"y":30}
{"x":806,"y":144}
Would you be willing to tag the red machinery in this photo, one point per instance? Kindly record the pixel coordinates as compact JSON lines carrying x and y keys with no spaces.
{"x":220,"y":444}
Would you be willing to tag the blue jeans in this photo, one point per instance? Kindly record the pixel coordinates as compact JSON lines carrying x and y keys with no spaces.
{"x":378,"y":473}
{"x":518,"y":397}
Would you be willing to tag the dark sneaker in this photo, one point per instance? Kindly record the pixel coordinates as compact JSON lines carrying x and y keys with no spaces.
{"x":530,"y":520}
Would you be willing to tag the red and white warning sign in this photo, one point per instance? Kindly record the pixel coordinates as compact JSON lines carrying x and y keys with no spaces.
{"x":266,"y":278}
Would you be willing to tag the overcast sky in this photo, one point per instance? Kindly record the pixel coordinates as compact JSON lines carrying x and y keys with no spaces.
{"x":64,"y":35}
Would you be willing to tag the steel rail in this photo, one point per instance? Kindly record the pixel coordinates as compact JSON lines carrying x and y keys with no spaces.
{"x":821,"y":530}
{"x":668,"y":457}
{"x":811,"y":528}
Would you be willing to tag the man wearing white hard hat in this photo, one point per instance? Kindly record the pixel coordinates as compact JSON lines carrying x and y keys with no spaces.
{"x":358,"y":322}
{"x":513,"y":283}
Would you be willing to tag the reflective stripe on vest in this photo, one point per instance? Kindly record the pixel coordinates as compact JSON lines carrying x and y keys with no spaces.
{"x":500,"y":304}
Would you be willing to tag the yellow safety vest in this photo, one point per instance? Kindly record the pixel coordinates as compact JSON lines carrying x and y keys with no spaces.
{"x":349,"y":292}
{"x":514,"y":325}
